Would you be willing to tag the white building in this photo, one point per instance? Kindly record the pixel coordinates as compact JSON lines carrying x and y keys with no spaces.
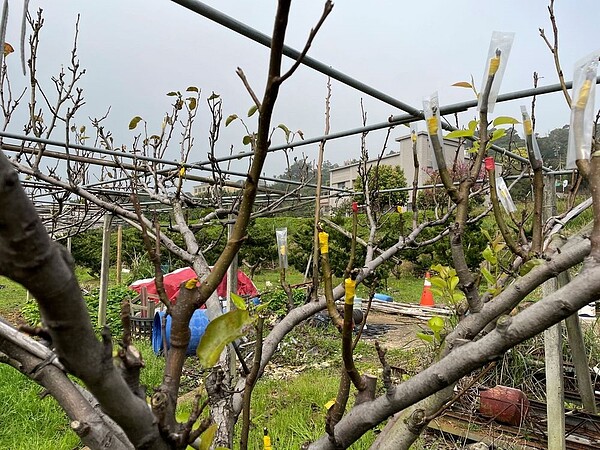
{"x":343,"y":177}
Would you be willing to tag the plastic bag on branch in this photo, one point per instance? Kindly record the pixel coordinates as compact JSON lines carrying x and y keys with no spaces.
{"x":431,"y":109}
{"x":282,"y":247}
{"x":414,"y":131}
{"x":497,"y":58}
{"x":528,"y":131}
{"x":582,"y":109}
{"x":504,"y":195}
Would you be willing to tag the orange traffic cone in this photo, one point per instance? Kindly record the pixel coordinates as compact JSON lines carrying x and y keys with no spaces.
{"x":427,"y":295}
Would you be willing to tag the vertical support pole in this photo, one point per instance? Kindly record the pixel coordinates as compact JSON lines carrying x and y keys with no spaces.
{"x":119,"y":252}
{"x":69,"y":243}
{"x":104,"y":269}
{"x":231,"y":272}
{"x":580,"y":361}
{"x":553,"y":348}
{"x":231,"y":287}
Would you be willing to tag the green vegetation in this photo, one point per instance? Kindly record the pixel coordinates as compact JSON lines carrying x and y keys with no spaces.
{"x":28,"y":422}
{"x":12,"y":296}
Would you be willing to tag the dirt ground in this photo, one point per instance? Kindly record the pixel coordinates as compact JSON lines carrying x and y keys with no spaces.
{"x":400,"y":331}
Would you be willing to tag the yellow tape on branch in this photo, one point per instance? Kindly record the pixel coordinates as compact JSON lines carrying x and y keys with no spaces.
{"x":323,"y":242}
{"x":528,"y":127}
{"x":584,"y":93}
{"x":350,"y":286}
{"x":432,"y":126}
{"x":494,"y":64}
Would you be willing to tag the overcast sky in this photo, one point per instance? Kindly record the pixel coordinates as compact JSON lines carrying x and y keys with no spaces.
{"x":135,"y":51}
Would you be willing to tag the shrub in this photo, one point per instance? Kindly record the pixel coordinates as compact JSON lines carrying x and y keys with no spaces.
{"x":278,"y":300}
{"x":114,"y":299}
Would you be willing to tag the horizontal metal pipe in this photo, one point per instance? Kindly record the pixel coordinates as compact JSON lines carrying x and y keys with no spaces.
{"x":413,"y":113}
{"x":261,"y":38}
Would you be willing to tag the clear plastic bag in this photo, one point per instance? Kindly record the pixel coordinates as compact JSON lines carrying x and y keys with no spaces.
{"x":582,"y":109}
{"x":504,"y":195}
{"x":282,"y":247}
{"x":431,"y":110}
{"x":414,"y":131}
{"x":529,"y":134}
{"x":497,"y":59}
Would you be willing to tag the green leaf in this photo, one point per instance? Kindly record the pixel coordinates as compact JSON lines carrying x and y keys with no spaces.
{"x":220,"y":332}
{"x":193,"y":89}
{"x":252,"y":110}
{"x":437,"y":268}
{"x":472,"y":125}
{"x":489,"y":256}
{"x":262,"y":306}
{"x":172,"y":94}
{"x":213,"y":96}
{"x":453,"y":282}
{"x":230,"y":119}
{"x":488,"y":276}
{"x":457,"y":297}
{"x":464,"y":84}
{"x":436,"y":324}
{"x":504,"y":120}
{"x":498,"y":246}
{"x":438,"y":282}
{"x":238,"y":301}
{"x":192,"y":101}
{"x":206,"y":438}
{"x":285,"y":129}
{"x":497,"y":134}
{"x":459,"y":133}
{"x":486,"y":234}
{"x":437,"y":292}
{"x":526,"y":268}
{"x":134,"y":122}
{"x":425,"y":337}
{"x":247,"y":139}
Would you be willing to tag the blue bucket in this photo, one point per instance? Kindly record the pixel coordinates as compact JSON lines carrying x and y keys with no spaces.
{"x":383,"y":297}
{"x":198,"y":324}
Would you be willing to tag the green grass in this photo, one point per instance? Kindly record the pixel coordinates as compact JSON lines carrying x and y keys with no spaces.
{"x":12,"y":296}
{"x":26,"y":422}
{"x":405,"y":289}
{"x":293,"y":410}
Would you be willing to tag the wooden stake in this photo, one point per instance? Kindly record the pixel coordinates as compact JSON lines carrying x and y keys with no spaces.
{"x":104,"y":269}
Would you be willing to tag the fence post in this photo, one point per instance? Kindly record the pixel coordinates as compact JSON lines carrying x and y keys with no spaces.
{"x":555,"y":405}
{"x":119,"y":252}
{"x":104,"y":269}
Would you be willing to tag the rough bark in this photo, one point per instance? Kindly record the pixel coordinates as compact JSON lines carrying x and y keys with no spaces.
{"x":28,"y":256}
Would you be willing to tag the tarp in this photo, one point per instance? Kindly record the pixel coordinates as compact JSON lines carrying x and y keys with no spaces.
{"x":173,"y":280}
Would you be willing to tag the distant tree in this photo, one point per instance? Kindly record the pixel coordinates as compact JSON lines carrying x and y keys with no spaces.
{"x":554,"y":147}
{"x":385,"y":177}
{"x":302,"y":170}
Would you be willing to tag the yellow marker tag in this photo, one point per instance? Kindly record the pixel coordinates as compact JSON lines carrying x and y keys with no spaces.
{"x":329,"y":404}
{"x":191,"y":284}
{"x":413,"y":137}
{"x":267,"y":442}
{"x":399,"y":209}
{"x":282,"y":250}
{"x":528,"y":127}
{"x":584,"y":93}
{"x":323,"y":242}
{"x":494,"y":64}
{"x":182,"y":172}
{"x":350,"y":286}
{"x":432,"y":126}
